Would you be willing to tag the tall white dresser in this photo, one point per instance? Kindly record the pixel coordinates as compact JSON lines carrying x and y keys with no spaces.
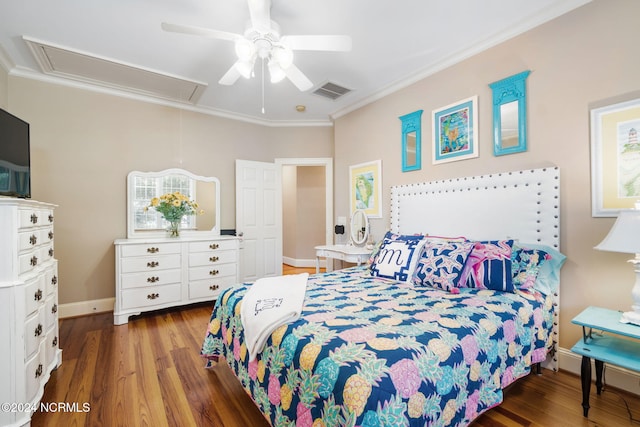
{"x":29,"y":306}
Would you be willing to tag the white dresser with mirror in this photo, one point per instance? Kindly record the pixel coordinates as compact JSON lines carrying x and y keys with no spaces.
{"x":155,"y":271}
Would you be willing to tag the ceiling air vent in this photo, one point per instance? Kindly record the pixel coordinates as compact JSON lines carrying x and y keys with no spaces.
{"x":331,"y":91}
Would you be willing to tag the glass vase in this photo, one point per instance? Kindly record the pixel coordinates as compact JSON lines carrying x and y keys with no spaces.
{"x":174,"y":228}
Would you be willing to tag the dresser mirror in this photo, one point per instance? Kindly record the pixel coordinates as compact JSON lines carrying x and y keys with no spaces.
{"x":359,"y":227}
{"x":147,"y":223}
{"x":510,"y":114}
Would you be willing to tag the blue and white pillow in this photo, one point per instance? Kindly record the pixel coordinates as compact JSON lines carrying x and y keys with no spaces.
{"x":397,"y":259}
{"x":441,"y":264}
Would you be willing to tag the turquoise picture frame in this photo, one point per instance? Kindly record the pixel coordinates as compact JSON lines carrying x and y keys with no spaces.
{"x":411,"y":141}
{"x":510,"y":114}
{"x":455,"y":134}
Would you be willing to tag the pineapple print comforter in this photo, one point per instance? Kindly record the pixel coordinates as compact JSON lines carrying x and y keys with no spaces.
{"x":370,"y":352}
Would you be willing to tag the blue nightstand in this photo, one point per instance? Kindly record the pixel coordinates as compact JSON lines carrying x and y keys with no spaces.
{"x":596,"y":343}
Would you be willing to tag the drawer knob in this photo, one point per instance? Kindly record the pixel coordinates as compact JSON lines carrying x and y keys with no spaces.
{"x":38,"y":330}
{"x":51,"y":252}
{"x":39,"y":370}
{"x":153,"y":296}
{"x":153,"y":279}
{"x":54,"y":342}
{"x":33,"y":239}
{"x":54,"y":309}
{"x":50,"y":218}
{"x":152,"y":264}
{"x":214,"y":259}
{"x":38,"y":295}
{"x":34,"y":219}
{"x":214,"y":287}
{"x":54,"y":280}
{"x":33,"y":261}
{"x":214,"y":246}
{"x":153,"y":250}
{"x":51,"y":235}
{"x":214,"y":272}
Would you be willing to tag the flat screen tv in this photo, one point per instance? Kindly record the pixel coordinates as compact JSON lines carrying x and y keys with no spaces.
{"x":15,"y":163}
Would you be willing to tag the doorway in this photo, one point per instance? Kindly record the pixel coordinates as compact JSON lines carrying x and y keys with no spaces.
{"x":307,"y":208}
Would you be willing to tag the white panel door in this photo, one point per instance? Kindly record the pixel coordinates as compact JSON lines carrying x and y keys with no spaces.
{"x":257,"y":219}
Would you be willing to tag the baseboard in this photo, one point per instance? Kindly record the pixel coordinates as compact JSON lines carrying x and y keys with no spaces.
{"x":302,"y":263}
{"x":75,"y":309}
{"x":614,"y":376}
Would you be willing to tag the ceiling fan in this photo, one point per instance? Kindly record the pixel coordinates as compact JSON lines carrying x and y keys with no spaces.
{"x":263,"y":40}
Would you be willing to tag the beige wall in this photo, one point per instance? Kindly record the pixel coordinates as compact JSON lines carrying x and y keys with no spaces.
{"x":304,"y":209}
{"x":83,"y":145}
{"x":576,"y":60}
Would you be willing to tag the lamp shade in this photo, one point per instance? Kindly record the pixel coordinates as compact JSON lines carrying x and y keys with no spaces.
{"x":624,"y":236}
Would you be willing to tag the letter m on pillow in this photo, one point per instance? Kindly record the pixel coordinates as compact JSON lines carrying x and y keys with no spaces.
{"x":397,"y":259}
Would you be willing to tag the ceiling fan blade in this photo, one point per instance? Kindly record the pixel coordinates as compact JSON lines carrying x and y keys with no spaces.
{"x":332,"y":43}
{"x":199,"y":31}
{"x":230,"y":77}
{"x":260,"y":12}
{"x":298,"y":78}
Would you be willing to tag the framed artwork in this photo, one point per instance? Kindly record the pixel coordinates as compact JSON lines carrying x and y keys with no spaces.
{"x":615,"y":158}
{"x":455,"y":135}
{"x":365,"y":183}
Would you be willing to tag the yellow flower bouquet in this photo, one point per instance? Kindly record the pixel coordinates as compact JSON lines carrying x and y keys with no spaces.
{"x":173,"y":206}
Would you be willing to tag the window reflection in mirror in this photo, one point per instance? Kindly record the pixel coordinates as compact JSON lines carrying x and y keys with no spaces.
{"x":510,"y":114}
{"x":143,"y":186}
{"x":411,"y":149}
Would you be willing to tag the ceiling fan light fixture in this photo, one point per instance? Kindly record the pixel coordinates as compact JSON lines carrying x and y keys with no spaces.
{"x":283,"y":55}
{"x":244,"y":49}
{"x":276,"y":72}
{"x":245,"y":68}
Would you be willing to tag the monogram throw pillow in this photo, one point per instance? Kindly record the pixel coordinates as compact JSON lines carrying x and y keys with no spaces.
{"x":397,"y":259}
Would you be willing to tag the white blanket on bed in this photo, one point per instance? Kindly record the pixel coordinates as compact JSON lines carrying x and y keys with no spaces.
{"x":269,"y":303}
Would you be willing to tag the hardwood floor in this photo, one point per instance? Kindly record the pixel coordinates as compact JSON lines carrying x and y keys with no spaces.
{"x":149,"y":373}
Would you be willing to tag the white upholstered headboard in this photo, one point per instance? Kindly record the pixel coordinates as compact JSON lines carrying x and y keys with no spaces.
{"x":523,"y":205}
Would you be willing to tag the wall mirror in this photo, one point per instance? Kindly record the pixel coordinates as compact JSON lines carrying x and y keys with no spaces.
{"x":359,"y":227}
{"x":411,"y":141}
{"x":143,"y":186}
{"x":510,"y":114}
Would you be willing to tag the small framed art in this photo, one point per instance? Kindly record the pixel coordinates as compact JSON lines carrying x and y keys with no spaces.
{"x":455,"y":131}
{"x":365,"y":180}
{"x":615,"y":158}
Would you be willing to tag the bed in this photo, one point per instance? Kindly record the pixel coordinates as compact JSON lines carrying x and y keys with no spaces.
{"x":371,"y":348}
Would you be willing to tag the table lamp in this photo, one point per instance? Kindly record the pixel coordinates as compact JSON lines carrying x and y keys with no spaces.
{"x":624,"y":236}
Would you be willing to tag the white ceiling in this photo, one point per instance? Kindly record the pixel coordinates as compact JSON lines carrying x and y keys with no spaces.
{"x":394,"y":44}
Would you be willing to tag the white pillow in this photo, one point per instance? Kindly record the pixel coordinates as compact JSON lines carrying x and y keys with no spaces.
{"x":397,"y":259}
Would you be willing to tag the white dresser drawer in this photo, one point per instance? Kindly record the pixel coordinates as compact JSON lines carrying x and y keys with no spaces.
{"x":150,"y":264}
{"x":28,"y":240}
{"x":151,"y":249}
{"x":212,"y":245}
{"x":150,"y":296}
{"x":51,"y":346}
{"x":34,"y":370}
{"x":34,"y":330}
{"x":209,"y":288}
{"x":29,"y":261}
{"x":212,"y":272}
{"x":151,"y":278}
{"x":51,"y":278}
{"x":34,"y":294}
{"x":51,"y":312}
{"x":197,"y":259}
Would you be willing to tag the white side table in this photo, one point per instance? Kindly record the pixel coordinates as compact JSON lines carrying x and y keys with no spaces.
{"x":349,"y":253}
